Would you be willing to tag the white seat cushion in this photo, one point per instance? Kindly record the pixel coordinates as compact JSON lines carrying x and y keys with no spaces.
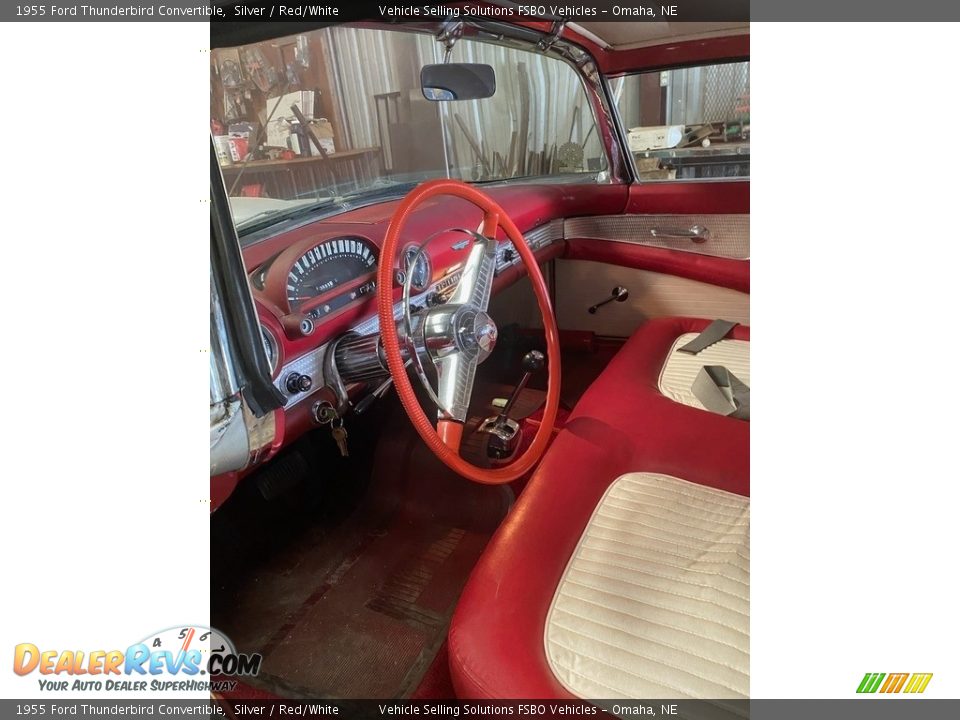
{"x":655,"y":600}
{"x":680,"y":369}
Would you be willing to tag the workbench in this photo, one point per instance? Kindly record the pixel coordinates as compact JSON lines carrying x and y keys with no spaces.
{"x":306,"y":177}
{"x":718,"y":160}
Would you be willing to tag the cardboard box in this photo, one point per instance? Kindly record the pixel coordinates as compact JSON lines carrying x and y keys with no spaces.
{"x":324,"y":132}
{"x":222,"y":144}
{"x":658,"y":137}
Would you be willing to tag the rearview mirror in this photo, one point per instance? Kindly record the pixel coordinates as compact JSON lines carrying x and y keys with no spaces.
{"x":457,"y":81}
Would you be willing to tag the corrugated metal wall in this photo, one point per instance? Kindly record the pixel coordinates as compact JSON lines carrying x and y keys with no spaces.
{"x":363,"y":63}
{"x":694,"y":95}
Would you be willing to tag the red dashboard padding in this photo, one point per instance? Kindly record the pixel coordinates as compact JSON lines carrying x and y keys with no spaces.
{"x":622,"y":424}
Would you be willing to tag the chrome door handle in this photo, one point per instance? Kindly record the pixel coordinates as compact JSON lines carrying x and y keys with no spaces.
{"x":695,"y":233}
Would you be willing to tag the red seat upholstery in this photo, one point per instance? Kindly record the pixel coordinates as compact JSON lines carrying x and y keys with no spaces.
{"x":622,"y":424}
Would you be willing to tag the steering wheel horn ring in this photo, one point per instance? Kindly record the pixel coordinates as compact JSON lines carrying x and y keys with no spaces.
{"x":459,"y":334}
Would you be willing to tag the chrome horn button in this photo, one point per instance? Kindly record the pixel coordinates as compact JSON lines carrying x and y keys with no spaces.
{"x":484,"y":334}
{"x":476,"y":332}
{"x":459,"y":329}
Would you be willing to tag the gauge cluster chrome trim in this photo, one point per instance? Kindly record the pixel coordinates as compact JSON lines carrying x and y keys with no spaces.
{"x":311,"y":363}
{"x":272,"y":347}
{"x":412,"y":257}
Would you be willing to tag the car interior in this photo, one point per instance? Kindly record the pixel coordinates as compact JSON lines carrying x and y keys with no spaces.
{"x":500,"y":273}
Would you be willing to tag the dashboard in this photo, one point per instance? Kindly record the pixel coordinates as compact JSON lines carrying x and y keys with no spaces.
{"x":298,"y":331}
{"x":315,"y":282}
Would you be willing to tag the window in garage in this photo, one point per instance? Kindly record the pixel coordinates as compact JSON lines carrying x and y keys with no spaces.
{"x":687,"y":123}
{"x":358,"y":91}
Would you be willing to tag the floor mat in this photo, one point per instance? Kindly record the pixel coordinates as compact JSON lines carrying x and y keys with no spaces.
{"x":356,"y":604}
{"x":360,"y":610}
{"x":437,"y":684}
{"x":373,"y":630}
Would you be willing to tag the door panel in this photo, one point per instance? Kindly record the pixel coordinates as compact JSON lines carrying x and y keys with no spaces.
{"x":715,"y":235}
{"x":581,"y":284}
{"x":664,"y":276}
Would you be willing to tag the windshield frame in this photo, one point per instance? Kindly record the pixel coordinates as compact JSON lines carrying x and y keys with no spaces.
{"x":618,"y":169}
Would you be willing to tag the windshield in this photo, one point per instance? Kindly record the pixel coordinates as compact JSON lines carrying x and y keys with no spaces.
{"x":333,"y":118}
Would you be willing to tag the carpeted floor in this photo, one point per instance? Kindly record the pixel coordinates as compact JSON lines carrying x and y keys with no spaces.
{"x":347,"y":588}
{"x":360,"y":608}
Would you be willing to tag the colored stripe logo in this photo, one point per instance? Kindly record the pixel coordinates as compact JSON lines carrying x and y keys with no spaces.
{"x":894,"y":683}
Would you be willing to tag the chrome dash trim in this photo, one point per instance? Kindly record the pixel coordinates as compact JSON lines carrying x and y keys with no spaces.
{"x":311,"y":363}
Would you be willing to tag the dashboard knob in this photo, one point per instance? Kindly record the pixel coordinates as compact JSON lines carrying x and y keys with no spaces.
{"x":297,"y":324}
{"x":297,"y":383}
{"x":508,"y":254}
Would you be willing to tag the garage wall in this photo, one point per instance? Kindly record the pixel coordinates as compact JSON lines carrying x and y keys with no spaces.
{"x":363,"y":63}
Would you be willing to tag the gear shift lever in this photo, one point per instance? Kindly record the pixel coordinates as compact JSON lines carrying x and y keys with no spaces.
{"x":532,"y":362}
{"x":504,"y":432}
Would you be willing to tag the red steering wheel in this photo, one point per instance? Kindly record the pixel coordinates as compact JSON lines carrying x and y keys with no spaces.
{"x":458,"y":335}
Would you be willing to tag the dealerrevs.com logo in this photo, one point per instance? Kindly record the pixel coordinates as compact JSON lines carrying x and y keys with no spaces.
{"x":182,"y":659}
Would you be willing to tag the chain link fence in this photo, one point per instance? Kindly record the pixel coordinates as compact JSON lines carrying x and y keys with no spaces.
{"x":715,"y":93}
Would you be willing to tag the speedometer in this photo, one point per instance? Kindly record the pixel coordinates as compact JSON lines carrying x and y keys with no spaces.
{"x":340,"y":263}
{"x":418,"y":265}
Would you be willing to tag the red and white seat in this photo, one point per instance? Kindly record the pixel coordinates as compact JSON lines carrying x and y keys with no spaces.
{"x":680,"y":369}
{"x":623,"y":569}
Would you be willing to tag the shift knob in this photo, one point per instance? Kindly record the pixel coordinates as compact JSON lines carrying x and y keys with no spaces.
{"x":533,"y":361}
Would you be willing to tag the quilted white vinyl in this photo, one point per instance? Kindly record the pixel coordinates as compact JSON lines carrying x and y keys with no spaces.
{"x":655,"y":600}
{"x":681,"y":369}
